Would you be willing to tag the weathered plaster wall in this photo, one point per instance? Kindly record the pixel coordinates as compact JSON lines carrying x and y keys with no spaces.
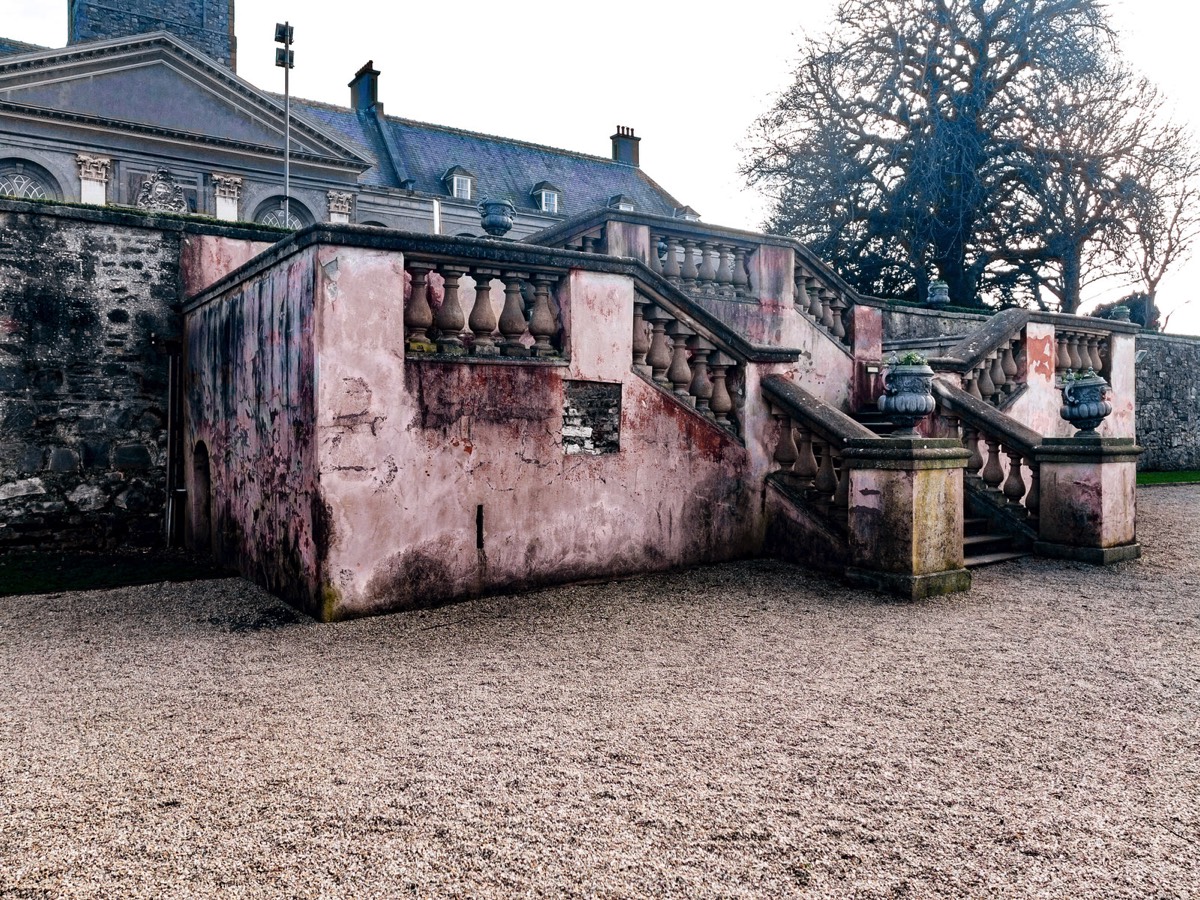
{"x":1168,"y":412}
{"x":86,"y":309}
{"x":445,"y":479}
{"x":206,"y":258}
{"x":913,"y":322}
{"x":251,"y":373}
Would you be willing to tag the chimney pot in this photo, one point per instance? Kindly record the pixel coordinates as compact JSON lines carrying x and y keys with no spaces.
{"x":625,"y":146}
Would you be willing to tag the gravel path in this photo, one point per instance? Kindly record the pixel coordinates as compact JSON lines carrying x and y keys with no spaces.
{"x":748,"y":730}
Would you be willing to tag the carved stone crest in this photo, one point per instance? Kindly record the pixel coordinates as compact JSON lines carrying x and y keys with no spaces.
{"x":341,"y":202}
{"x":160,"y":193}
{"x":228,"y":187}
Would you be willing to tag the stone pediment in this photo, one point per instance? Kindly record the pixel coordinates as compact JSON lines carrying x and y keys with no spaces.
{"x":154,"y":83}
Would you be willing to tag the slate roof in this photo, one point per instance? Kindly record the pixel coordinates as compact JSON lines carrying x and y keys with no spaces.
{"x":8,"y":46}
{"x":504,"y":168}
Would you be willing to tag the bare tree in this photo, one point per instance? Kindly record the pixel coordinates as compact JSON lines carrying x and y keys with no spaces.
{"x":997,"y":143}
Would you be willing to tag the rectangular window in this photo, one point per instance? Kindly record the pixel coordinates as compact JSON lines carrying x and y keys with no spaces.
{"x":549,"y":202}
{"x":462,"y":187}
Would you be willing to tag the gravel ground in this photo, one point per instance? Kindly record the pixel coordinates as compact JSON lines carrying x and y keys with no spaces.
{"x":747,"y":730}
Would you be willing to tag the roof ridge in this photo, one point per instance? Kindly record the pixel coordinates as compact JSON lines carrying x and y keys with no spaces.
{"x":22,"y":45}
{"x":333,"y":107}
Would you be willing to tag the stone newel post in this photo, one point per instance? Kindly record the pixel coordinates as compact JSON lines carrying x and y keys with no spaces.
{"x":1088,"y":499}
{"x":906,"y":515}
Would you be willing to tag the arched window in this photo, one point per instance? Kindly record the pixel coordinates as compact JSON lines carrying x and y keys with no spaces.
{"x":270,"y":212}
{"x":27,"y":181}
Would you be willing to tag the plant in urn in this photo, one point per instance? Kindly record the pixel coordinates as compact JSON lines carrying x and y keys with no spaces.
{"x":1085,"y":403}
{"x":908,"y":396}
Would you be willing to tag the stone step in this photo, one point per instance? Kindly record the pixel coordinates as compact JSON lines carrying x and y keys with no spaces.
{"x":975,"y":542}
{"x":975,"y":526}
{"x":987,"y":559}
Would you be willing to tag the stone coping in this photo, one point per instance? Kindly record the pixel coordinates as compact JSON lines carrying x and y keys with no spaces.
{"x":905,"y":453}
{"x":992,"y":420}
{"x":130,"y":217}
{"x":832,"y":423}
{"x":1088,"y":450}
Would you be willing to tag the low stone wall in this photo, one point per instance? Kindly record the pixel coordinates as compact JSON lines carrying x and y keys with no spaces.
{"x":89,"y":312}
{"x":1168,"y":402}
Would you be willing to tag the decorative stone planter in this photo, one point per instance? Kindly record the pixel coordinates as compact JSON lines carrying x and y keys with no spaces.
{"x":1084,"y":402}
{"x":939,"y":293}
{"x":908,"y":398}
{"x":497,"y":216}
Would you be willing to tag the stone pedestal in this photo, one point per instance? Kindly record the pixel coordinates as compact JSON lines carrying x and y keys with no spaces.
{"x":1088,"y":499}
{"x":906,"y":515}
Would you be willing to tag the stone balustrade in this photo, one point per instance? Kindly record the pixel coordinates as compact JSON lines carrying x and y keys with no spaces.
{"x":1003,"y":459}
{"x":437,"y":321}
{"x":1078,"y":350}
{"x":992,"y":362}
{"x":688,"y":360}
{"x":822,"y":302}
{"x":999,"y":374}
{"x":713,"y":266}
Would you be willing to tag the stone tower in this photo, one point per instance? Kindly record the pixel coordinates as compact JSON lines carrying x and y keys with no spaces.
{"x":207,"y":25}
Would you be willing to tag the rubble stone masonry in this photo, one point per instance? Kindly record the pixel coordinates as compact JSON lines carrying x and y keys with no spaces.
{"x":1168,"y":402}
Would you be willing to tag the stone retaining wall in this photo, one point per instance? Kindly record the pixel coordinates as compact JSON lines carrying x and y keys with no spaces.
{"x":1168,"y":402}
{"x":89,"y":307}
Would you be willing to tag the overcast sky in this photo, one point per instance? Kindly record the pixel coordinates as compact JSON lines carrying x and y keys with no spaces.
{"x":689,"y":78}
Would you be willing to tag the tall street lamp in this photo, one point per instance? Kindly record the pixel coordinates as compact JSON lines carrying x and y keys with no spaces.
{"x":286,"y":60}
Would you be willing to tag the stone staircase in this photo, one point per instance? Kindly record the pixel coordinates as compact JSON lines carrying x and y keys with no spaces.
{"x":984,"y":544}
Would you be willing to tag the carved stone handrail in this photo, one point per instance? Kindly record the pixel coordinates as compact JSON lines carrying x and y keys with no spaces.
{"x":812,"y":437}
{"x":992,"y":359}
{"x":1003,"y":437}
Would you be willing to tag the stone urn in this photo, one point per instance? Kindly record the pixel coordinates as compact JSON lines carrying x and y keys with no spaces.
{"x":497,"y":216}
{"x":939,"y":293}
{"x":908,"y":396}
{"x":1085,"y":403}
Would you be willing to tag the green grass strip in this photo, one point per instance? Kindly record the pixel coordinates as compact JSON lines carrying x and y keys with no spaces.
{"x":1168,"y":478}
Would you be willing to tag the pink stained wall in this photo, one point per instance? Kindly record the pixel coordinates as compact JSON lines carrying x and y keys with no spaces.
{"x":1039,"y":405}
{"x":207,"y":258}
{"x":250,"y":398}
{"x":410,"y":452}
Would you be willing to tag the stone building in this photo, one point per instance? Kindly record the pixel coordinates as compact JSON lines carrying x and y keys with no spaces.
{"x":146,"y":90}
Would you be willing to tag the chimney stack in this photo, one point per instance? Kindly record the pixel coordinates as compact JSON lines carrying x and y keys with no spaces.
{"x":625,"y":146}
{"x":364,"y":89}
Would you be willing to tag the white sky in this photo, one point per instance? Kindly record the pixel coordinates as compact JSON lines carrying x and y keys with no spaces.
{"x":690,"y":78}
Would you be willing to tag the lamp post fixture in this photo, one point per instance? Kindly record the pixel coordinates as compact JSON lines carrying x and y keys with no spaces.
{"x":286,"y":60}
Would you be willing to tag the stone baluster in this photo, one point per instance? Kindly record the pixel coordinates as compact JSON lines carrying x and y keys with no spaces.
{"x":655,"y":262}
{"x":806,"y":460}
{"x":1073,"y":352}
{"x":827,"y":308}
{"x":813,"y":290}
{"x":971,"y":385}
{"x":720,"y":402}
{"x":543,"y":324}
{"x":701,"y":387}
{"x":1008,"y":363}
{"x":1014,"y":485}
{"x":725,"y":266}
{"x":971,"y":443}
{"x":689,"y":272}
{"x":450,"y":318}
{"x":590,"y":244}
{"x":984,"y":381}
{"x":993,"y":472}
{"x":512,"y":316}
{"x":1062,"y":361}
{"x":641,"y":338}
{"x":838,"y":306}
{"x":708,"y":263}
{"x":680,"y":373}
{"x":1093,"y":349}
{"x":1033,"y":500}
{"x":1102,"y":349}
{"x":826,"y":482}
{"x":659,"y":357}
{"x":741,"y":280}
{"x":841,"y":494}
{"x":998,"y":376}
{"x":418,"y":314}
{"x":483,"y":318}
{"x":671,"y":260}
{"x":786,"y":453}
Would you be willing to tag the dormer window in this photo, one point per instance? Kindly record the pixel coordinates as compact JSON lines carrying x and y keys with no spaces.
{"x":547,"y":197}
{"x":460,"y":183}
{"x":621,"y":202}
{"x":687,"y":214}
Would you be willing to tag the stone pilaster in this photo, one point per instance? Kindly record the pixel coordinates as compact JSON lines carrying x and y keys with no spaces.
{"x":341,"y":205}
{"x":228,"y":190}
{"x":93,"y":178}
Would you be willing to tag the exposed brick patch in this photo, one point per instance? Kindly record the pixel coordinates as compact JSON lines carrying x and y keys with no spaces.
{"x":591,"y":418}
